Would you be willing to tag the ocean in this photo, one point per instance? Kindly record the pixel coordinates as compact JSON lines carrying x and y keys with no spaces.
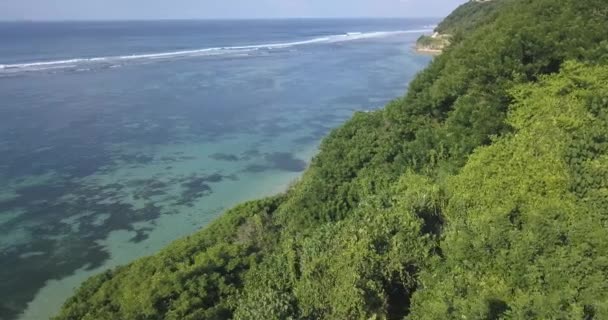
{"x":117,"y":138}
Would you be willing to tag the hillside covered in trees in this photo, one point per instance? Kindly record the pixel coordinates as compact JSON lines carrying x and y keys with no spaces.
{"x":463,"y":20}
{"x":480,"y":194}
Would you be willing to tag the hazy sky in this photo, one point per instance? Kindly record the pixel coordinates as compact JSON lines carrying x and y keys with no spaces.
{"x":192,"y":9}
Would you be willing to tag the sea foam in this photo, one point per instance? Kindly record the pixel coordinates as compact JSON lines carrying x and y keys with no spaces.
{"x":239,"y":50}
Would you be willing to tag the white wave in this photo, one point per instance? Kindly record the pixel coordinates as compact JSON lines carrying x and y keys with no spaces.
{"x":371,"y":35}
{"x":351,"y":36}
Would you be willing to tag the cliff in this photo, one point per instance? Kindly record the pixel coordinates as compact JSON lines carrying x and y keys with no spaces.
{"x":433,"y":44}
{"x":480,"y":194}
{"x":465,"y":18}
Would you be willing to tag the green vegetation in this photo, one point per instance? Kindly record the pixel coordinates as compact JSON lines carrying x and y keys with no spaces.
{"x":481,"y":194}
{"x":525,"y":233}
{"x":432,"y":43}
{"x":457,"y":25}
{"x":469,"y":16}
{"x":193,"y":278}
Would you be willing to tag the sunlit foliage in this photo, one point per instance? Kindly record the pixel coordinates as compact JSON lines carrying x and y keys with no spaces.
{"x":481,"y":194}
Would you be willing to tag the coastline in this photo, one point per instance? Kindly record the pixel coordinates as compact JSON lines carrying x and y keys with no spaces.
{"x":49,"y":300}
{"x":432,"y":44}
{"x":391,"y":200}
{"x":428,"y":51}
{"x":139,"y":167}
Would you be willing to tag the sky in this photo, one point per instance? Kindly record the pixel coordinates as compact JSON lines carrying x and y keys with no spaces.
{"x":219,"y":9}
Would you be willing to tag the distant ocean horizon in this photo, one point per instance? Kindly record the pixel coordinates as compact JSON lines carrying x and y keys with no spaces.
{"x":262,"y":19}
{"x":119,"y":137}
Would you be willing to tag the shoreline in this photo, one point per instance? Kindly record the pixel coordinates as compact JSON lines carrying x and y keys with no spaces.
{"x":432,"y":44}
{"x":164,"y":173}
{"x":433,"y":52}
{"x":50,"y":298}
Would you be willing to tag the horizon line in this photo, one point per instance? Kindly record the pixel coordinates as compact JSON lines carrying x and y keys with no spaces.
{"x":210,"y":19}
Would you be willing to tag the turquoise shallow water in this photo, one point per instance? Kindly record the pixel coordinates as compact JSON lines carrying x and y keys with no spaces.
{"x":118,"y":138}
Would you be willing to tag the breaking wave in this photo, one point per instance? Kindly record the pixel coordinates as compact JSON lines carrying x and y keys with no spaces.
{"x":112,"y":60}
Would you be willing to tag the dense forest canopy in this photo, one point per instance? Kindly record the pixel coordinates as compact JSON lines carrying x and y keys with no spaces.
{"x":469,"y":16}
{"x":480,"y":194}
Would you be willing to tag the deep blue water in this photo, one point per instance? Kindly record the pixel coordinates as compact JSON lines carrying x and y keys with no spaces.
{"x":118,"y":137}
